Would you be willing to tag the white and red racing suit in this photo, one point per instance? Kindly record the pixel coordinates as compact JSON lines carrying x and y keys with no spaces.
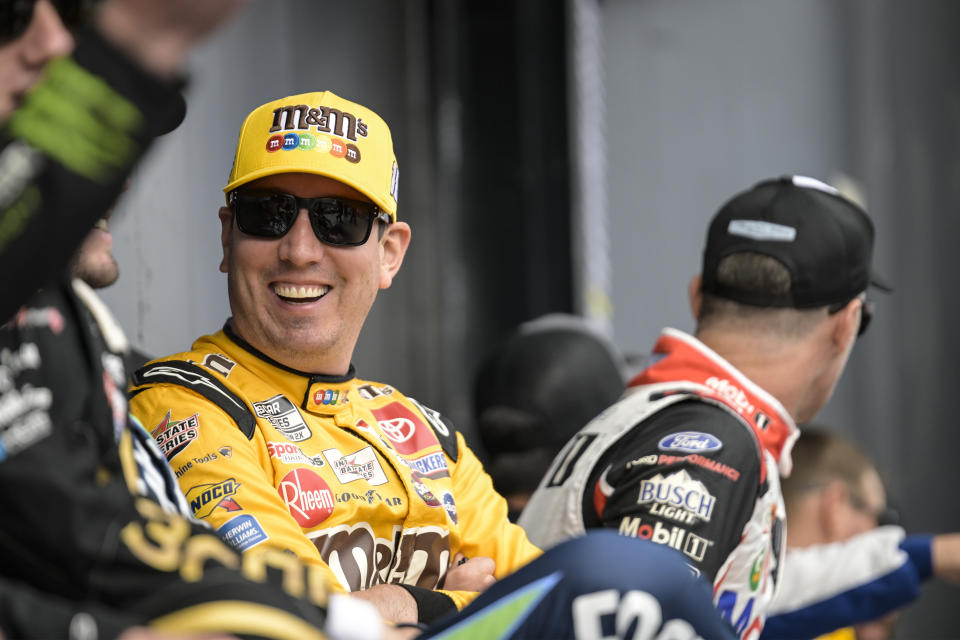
{"x":689,"y":458}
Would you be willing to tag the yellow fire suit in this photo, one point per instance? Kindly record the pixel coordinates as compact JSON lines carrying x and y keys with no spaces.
{"x":342,"y":472}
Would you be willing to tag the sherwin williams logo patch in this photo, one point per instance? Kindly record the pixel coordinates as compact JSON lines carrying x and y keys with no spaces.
{"x":242,"y":532}
{"x":307,"y":496}
{"x":691,"y":442}
{"x":404,"y":429}
{"x":173,"y":436}
{"x":284,"y":416}
{"x":204,"y":498}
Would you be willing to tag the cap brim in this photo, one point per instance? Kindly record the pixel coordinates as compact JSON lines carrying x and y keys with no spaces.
{"x":878,"y":282}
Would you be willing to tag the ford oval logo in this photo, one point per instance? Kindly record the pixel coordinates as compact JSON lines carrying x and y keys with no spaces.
{"x":691,"y":442}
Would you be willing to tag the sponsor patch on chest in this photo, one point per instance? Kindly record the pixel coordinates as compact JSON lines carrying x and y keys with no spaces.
{"x":359,"y":465}
{"x":284,"y":417}
{"x":402,"y":427}
{"x":307,"y":496}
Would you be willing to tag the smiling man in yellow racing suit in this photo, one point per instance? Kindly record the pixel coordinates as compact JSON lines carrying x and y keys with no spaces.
{"x":275,"y":441}
{"x":338,"y":470}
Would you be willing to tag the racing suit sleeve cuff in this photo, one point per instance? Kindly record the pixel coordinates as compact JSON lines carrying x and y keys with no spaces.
{"x":920,"y":549}
{"x":431,"y":605}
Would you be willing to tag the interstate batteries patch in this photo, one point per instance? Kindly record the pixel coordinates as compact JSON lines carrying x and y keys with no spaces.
{"x":173,"y":436}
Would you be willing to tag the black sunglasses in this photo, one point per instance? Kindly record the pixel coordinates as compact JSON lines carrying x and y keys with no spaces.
{"x":866,"y":314}
{"x":16,"y":15}
{"x":336,"y":221}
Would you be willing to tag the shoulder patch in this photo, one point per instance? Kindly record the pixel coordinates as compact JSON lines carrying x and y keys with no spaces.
{"x":189,"y":375}
{"x":444,"y":431}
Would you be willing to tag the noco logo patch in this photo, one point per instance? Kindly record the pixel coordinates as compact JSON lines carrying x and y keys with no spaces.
{"x":404,"y":429}
{"x":307,"y":496}
{"x":284,"y":416}
{"x":691,"y":442}
{"x":173,"y":436}
{"x":204,"y":498}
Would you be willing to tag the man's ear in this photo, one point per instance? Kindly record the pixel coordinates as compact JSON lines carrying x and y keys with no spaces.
{"x":847,"y":323}
{"x":696,"y":295}
{"x":392,"y":246}
{"x":226,"y":226}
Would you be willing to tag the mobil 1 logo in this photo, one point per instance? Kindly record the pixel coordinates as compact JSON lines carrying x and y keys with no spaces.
{"x":284,"y":416}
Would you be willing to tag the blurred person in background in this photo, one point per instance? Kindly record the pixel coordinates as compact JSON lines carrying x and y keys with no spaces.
{"x":843,"y":538}
{"x":537,"y":388}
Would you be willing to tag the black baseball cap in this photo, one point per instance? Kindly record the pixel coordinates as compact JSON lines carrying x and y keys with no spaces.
{"x":824,"y":239}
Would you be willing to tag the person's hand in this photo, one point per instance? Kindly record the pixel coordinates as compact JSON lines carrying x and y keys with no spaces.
{"x":475,"y":574}
{"x":159,"y":33}
{"x":946,"y":557}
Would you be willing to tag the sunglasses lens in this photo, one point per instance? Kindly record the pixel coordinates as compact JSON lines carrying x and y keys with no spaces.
{"x":866,"y":315}
{"x":16,"y":15}
{"x":268,"y":216}
{"x":342,"y":222}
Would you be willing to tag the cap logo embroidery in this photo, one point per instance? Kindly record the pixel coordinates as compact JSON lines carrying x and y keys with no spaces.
{"x":812,"y":183}
{"x":325,"y":119}
{"x":762,"y":230}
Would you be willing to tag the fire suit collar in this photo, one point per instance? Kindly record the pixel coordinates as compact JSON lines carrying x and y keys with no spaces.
{"x":313,"y":377}
{"x":678,"y":356}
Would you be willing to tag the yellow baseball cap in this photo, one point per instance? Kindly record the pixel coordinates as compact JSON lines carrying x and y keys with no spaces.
{"x":319,"y":133}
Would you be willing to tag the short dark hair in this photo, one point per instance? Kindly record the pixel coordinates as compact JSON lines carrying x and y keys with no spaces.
{"x":760,"y":274}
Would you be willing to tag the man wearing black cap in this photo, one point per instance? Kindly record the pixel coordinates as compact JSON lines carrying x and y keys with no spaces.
{"x":691,"y":456}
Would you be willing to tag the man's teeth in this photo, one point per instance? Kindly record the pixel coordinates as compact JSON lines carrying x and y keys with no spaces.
{"x":287,"y":291}
{"x":102,"y":225}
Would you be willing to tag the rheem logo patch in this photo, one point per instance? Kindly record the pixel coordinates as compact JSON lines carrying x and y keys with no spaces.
{"x":307,"y":496}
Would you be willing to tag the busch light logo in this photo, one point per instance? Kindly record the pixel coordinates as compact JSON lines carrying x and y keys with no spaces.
{"x":678,"y":497}
{"x":691,"y":442}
